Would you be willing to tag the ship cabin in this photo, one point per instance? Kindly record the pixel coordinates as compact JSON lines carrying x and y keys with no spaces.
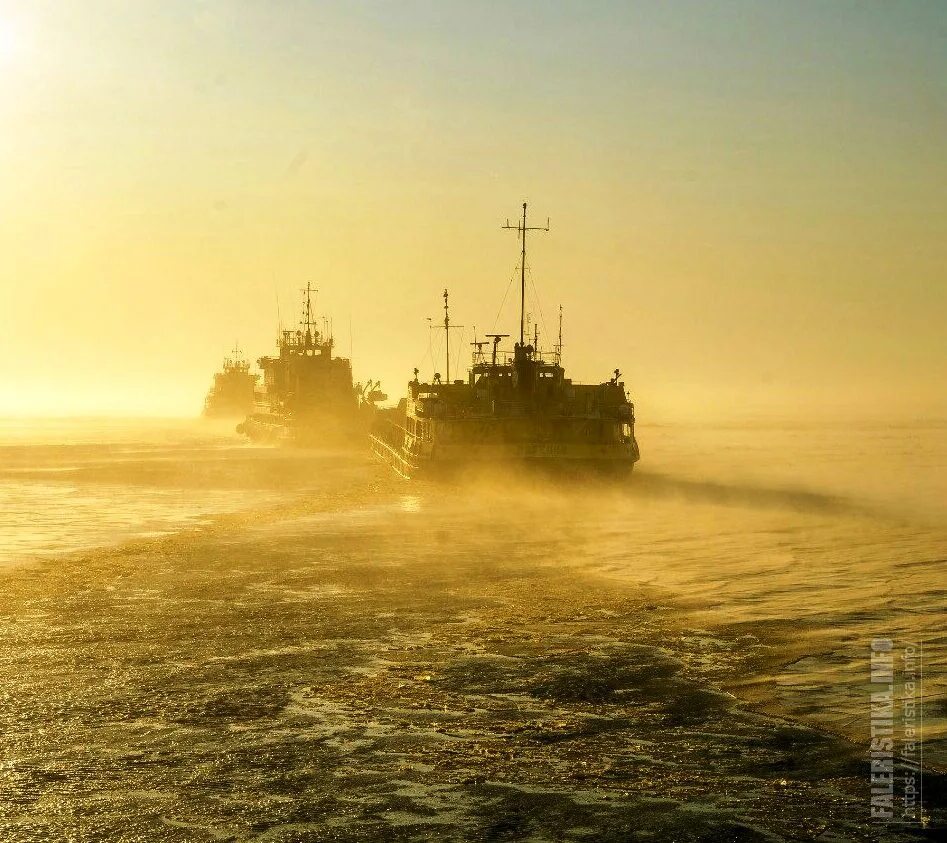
{"x":305,"y":377}
{"x":515,"y":398}
{"x":236,"y":362}
{"x":305,"y":373}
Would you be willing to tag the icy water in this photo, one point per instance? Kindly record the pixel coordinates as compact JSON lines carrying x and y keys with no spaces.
{"x":208,"y":641}
{"x":69,"y":484}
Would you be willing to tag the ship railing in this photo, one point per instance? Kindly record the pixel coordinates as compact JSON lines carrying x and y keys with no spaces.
{"x":391,"y":456}
{"x":390,"y":431}
{"x":505,"y":358}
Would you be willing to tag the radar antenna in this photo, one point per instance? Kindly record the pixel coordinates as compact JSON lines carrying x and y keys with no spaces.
{"x":522,"y":228}
{"x":496,"y":341}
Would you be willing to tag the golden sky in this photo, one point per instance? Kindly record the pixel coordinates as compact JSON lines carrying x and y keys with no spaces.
{"x":748,"y":200}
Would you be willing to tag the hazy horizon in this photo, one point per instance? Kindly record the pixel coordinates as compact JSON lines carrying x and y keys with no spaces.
{"x":747,"y":200}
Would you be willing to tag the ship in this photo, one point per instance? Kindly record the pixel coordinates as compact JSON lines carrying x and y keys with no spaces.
{"x":307,"y":396}
{"x":231,"y":396}
{"x":515,"y":408}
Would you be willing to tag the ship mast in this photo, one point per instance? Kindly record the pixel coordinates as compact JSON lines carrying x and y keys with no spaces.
{"x":308,"y":321}
{"x":559,"y":344}
{"x":447,"y":329}
{"x":522,"y":228}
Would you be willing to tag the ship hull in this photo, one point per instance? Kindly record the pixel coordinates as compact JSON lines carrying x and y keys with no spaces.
{"x":327,"y":431}
{"x":537,"y":458}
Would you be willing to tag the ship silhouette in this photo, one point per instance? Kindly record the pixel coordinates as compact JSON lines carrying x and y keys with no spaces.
{"x":307,"y":396}
{"x":232,"y":392}
{"x":514,"y":408}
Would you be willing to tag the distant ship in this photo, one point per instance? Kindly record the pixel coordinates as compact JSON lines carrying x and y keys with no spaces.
{"x":232,"y":392}
{"x":307,"y":396}
{"x":514,"y":408}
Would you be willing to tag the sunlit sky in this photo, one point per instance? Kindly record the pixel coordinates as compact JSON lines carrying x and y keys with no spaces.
{"x":748,"y":199}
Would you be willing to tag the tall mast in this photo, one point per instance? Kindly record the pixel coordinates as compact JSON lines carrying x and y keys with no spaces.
{"x":522,"y":228}
{"x":308,"y":317}
{"x":279,"y":319}
{"x":523,"y":277}
{"x":447,"y":334}
{"x":559,"y":345}
{"x":447,"y":329}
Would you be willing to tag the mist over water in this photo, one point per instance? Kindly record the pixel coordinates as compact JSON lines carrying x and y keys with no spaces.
{"x":232,"y":601}
{"x":67,"y":484}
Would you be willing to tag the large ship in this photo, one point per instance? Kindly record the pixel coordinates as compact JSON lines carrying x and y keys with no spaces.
{"x":514,"y":408}
{"x":231,"y":396}
{"x":307,"y":396}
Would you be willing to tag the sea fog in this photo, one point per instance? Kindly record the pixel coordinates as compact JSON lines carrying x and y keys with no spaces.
{"x":178,"y":603}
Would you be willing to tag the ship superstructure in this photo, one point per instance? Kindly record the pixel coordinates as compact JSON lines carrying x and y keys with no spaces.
{"x":307,"y":396}
{"x":514,"y":407}
{"x":232,"y":392}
